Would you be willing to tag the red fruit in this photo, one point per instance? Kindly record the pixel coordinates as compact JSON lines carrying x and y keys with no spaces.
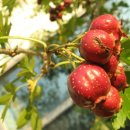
{"x":87,"y":83}
{"x":67,"y":2}
{"x":52,"y":10}
{"x":110,"y":105}
{"x":97,"y":46}
{"x":59,"y":15}
{"x":111,"y":66}
{"x":60,"y":7}
{"x":119,"y":79}
{"x":108,"y":23}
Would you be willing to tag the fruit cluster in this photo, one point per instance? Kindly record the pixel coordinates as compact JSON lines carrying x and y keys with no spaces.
{"x":95,"y":84}
{"x":56,"y":13}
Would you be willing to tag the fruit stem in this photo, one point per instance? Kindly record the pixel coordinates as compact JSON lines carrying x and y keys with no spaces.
{"x":78,"y":38}
{"x":21,"y":86}
{"x":62,"y":46}
{"x":74,"y":55}
{"x":63,"y":63}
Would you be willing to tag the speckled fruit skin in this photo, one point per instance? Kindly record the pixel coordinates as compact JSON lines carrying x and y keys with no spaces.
{"x":87,"y":83}
{"x":97,"y":51}
{"x":108,"y":23}
{"x":119,"y":79}
{"x":111,"y":66}
{"x":110,"y":106}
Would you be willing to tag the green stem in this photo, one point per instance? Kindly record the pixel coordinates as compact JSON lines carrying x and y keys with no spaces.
{"x":63,"y":63}
{"x":74,"y":55}
{"x":24,"y":38}
{"x":57,"y":47}
{"x":77,"y":57}
{"x":79,"y":37}
{"x":23,"y":85}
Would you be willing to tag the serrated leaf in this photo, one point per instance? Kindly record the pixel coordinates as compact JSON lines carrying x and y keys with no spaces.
{"x":27,"y":66}
{"x":24,"y":117}
{"x":5,"y":98}
{"x":119,"y":121}
{"x":36,"y":121}
{"x":124,"y":113}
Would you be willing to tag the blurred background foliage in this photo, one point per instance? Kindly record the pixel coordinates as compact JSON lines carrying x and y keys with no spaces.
{"x":75,"y":21}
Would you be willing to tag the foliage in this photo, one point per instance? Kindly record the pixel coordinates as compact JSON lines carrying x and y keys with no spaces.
{"x":57,"y":52}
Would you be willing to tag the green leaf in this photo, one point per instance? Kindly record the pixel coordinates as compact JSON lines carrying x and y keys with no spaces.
{"x":36,"y":121}
{"x":124,"y":113}
{"x":24,"y":72}
{"x":24,"y":117}
{"x":119,"y":121}
{"x":10,"y":87}
{"x":1,"y":22}
{"x":3,"y":67}
{"x":99,"y":124}
{"x":9,"y":4}
{"x":27,"y":66}
{"x":128,"y":76}
{"x":5,"y":110}
{"x":5,"y":98}
{"x":125,"y":54}
{"x":125,"y":43}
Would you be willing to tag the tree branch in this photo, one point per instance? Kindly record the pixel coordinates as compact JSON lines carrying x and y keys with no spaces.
{"x":16,"y":51}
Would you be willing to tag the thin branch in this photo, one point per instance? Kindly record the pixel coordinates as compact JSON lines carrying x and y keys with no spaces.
{"x":16,"y":51}
{"x":64,"y":62}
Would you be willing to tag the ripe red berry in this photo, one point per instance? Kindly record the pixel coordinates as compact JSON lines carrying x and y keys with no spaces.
{"x":111,"y":66}
{"x":108,"y":23}
{"x":67,"y":2}
{"x":97,"y":46}
{"x":119,"y":79}
{"x":87,"y":83}
{"x":52,"y":10}
{"x":110,"y":105}
{"x":59,"y":15}
{"x":60,"y":7}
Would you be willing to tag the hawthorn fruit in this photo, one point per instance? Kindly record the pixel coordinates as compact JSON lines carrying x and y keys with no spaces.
{"x":88,"y":84}
{"x":110,"y":105}
{"x":97,"y":46}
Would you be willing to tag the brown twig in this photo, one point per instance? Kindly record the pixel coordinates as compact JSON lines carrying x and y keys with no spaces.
{"x":16,"y":51}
